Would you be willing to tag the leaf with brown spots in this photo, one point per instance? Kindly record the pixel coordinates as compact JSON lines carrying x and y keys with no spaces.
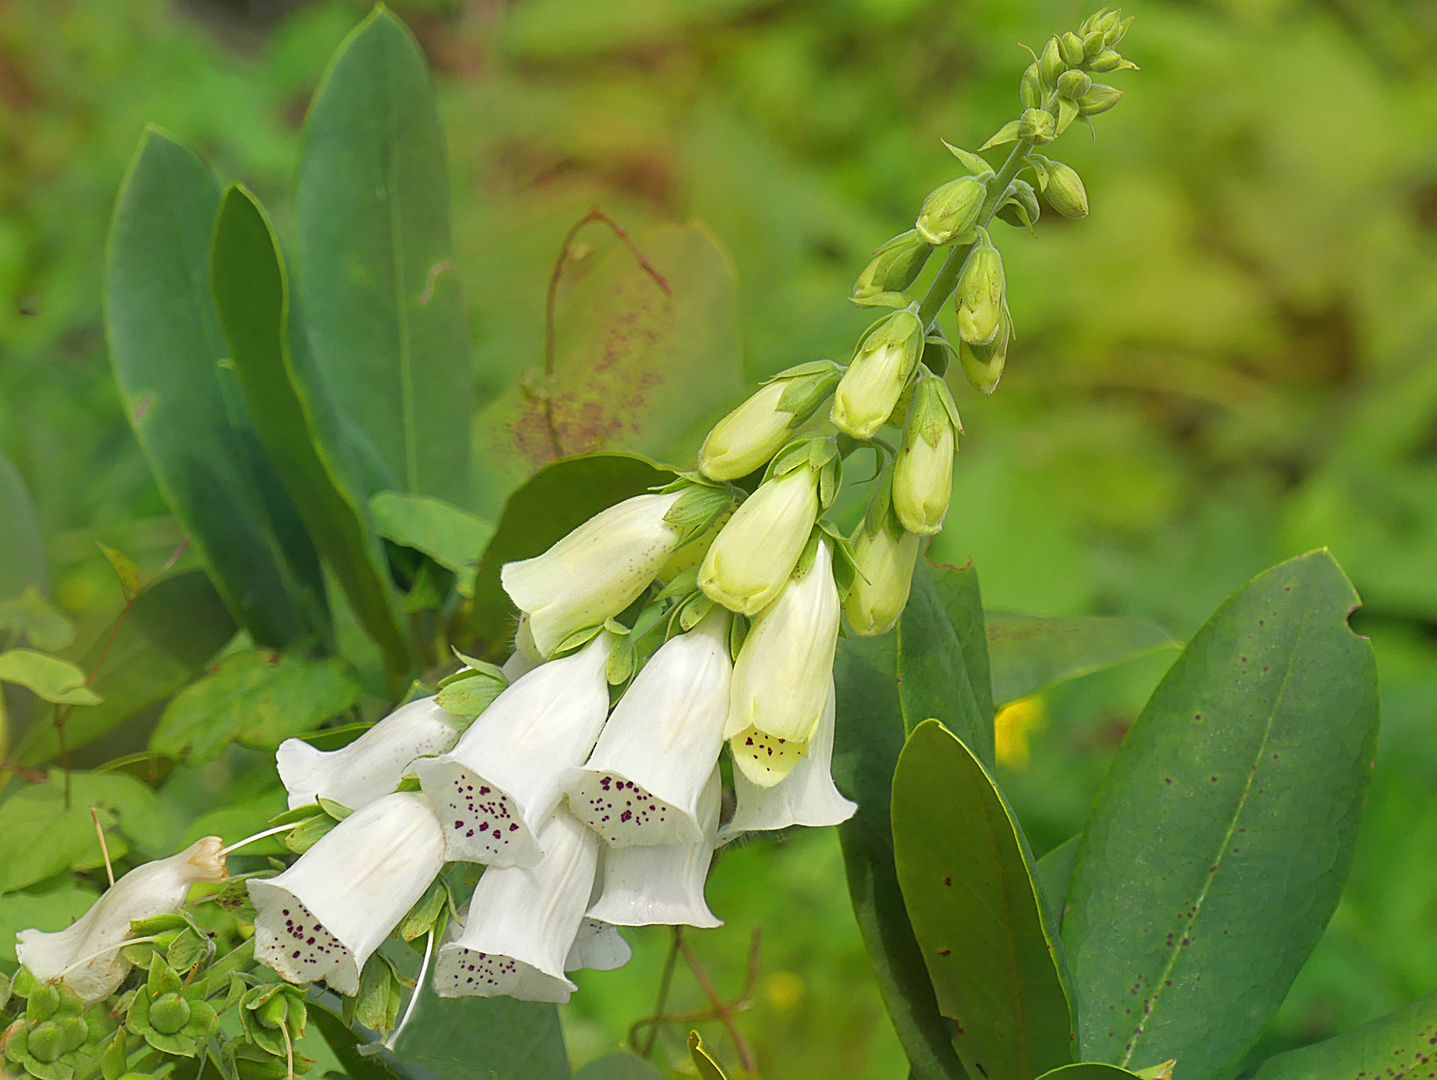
{"x":1399,"y":1046}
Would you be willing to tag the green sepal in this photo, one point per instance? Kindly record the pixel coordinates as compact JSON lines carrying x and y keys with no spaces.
{"x":681,"y":584}
{"x":806,"y":391}
{"x":431,"y":912}
{"x":737,"y":632}
{"x":376,"y":1005}
{"x":1020,"y":205}
{"x":622,"y":662}
{"x":697,"y":509}
{"x":845,"y":562}
{"x":799,"y":454}
{"x":694,"y":610}
{"x":975,"y":165}
{"x":1067,"y":113}
{"x":114,"y":1061}
{"x":1006,"y":134}
{"x":883,"y":299}
{"x":830,"y":480}
{"x":467,"y":694}
{"x":268,"y":1012}
{"x":577,"y":639}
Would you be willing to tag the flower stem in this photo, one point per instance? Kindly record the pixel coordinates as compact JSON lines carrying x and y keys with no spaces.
{"x":257,"y":836}
{"x":414,"y":997}
{"x":665,"y":981}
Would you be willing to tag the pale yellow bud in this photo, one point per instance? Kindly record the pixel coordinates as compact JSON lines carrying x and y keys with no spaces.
{"x":879,"y":594}
{"x":923,"y":472}
{"x":753,"y":556}
{"x":871,"y":386}
{"x":746,"y":438}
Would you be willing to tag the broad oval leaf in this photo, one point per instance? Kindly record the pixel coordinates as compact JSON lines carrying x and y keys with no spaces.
{"x":375,"y":268}
{"x":1220,"y":840}
{"x":1400,"y":1044}
{"x":1089,"y":1070}
{"x":514,"y":1040}
{"x":968,"y":885}
{"x":450,"y":536}
{"x":186,"y":409}
{"x":1030,"y":653}
{"x":620,"y":1065}
{"x":47,"y":677}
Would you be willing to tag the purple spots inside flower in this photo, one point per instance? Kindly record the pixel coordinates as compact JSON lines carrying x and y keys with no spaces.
{"x":292,"y":941}
{"x":765,"y":759}
{"x":467,"y":971}
{"x":625,"y":814}
{"x":485,"y":824}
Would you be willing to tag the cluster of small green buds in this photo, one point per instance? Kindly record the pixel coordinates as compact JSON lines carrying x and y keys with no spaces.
{"x":744,"y":440}
{"x":1059,"y":81}
{"x":882,"y":364}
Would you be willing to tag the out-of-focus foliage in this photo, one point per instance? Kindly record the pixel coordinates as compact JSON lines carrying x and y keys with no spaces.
{"x":1227,"y":363}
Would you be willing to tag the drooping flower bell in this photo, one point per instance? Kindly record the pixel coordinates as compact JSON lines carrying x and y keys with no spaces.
{"x":663,"y":885}
{"x":373,"y":765}
{"x":806,"y":796}
{"x":746,"y":438}
{"x":782,"y":674}
{"x":324,"y":916}
{"x":598,"y":946}
{"x":874,"y":381}
{"x":504,"y":777}
{"x":885,"y":554}
{"x":522,"y":924}
{"x":86,"y":954}
{"x":643,"y":782}
{"x":923,"y":472}
{"x":596,"y":571}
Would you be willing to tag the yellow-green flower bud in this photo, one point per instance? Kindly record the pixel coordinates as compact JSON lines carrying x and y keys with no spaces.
{"x":1050,"y":62}
{"x":923,"y":472}
{"x":754,"y":554}
{"x":983,"y":364}
{"x":1065,"y":191}
{"x":1037,"y":125}
{"x":1108,"y":22}
{"x":745,"y":439}
{"x":884,"y":360}
{"x":1071,"y":46}
{"x":1030,"y":88}
{"x":1073,"y":84}
{"x":1093,"y":43}
{"x":951,"y":210}
{"x":1020,"y":207}
{"x":1108,"y":60}
{"x":979,"y":294}
{"x":1099,"y":99}
{"x":894,"y":266}
{"x":884,"y":555}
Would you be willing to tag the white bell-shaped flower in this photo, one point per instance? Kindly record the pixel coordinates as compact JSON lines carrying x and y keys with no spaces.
{"x":596,"y":571}
{"x":755,"y":552}
{"x":599,"y":947}
{"x":522,"y":923}
{"x":646,"y":886}
{"x":86,"y":954}
{"x":324,"y":916}
{"x":643,"y":782}
{"x":504,"y":777}
{"x":783,"y":671}
{"x":373,"y":765}
{"x":806,"y":796}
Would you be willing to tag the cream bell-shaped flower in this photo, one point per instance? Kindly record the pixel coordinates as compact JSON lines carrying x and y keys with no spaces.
{"x":522,"y":924}
{"x":596,"y":571}
{"x":806,"y":796}
{"x":324,"y":916}
{"x":646,"y":886}
{"x":754,"y":554}
{"x":885,"y":557}
{"x":504,"y":777}
{"x":781,"y":676}
{"x":373,"y":765}
{"x":874,"y":381}
{"x":86,"y":954}
{"x":643,"y":782}
{"x":599,"y":947}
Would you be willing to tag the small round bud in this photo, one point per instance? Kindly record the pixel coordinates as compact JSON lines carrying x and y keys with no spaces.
{"x":1065,"y":191}
{"x":169,"y":1013}
{"x":1071,"y":46}
{"x":894,"y":266}
{"x":979,"y":294}
{"x":1030,"y":89}
{"x":951,"y":210}
{"x":1099,"y":99}
{"x":1073,"y":84}
{"x":1107,"y":60}
{"x":1037,"y":125}
{"x":1050,"y":62}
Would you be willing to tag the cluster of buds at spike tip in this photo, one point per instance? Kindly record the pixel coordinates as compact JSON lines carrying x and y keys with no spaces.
{"x":1060,"y":80}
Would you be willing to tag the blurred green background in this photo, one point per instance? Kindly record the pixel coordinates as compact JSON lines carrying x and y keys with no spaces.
{"x":1228,"y":363}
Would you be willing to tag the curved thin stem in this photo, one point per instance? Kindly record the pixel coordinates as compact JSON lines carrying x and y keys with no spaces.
{"x":414,"y":997}
{"x":257,"y":836}
{"x":96,"y":955}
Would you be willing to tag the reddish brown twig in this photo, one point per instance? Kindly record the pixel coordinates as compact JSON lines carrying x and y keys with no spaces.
{"x":717,"y":1010}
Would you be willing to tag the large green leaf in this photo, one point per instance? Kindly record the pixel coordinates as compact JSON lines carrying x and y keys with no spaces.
{"x":866,"y":747}
{"x":1220,"y":839}
{"x":1055,"y":871}
{"x":450,"y":536}
{"x":182,"y":400}
{"x":1088,"y":1070}
{"x":499,"y":1038}
{"x":172,"y":630}
{"x":22,"y":548}
{"x":558,"y":499}
{"x":1030,"y":652}
{"x":968,"y":885}
{"x":1399,"y":1045}
{"x":47,"y":677}
{"x":634,"y":368}
{"x":252,"y":295}
{"x":375,"y":268}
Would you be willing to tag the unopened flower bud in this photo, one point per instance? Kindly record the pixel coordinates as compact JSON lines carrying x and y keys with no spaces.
{"x":894,"y":266}
{"x":1093,"y":43}
{"x":1020,"y":207}
{"x":951,"y":210}
{"x":1107,"y":22}
{"x":746,"y":438}
{"x":1116,"y":35}
{"x":1037,"y":125}
{"x":1030,"y":88}
{"x":1107,"y":60}
{"x":1071,"y":46}
{"x":1065,"y":191}
{"x":880,"y":369}
{"x":923,"y":472}
{"x":979,"y":293}
{"x":1050,"y":62}
{"x":1073,"y":84}
{"x":983,"y":364}
{"x":884,"y":554}
{"x":1099,"y":99}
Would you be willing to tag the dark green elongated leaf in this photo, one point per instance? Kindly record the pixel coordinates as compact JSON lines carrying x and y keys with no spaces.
{"x":252,"y":296}
{"x":450,"y":536}
{"x":1219,"y":842}
{"x":514,"y":1040}
{"x":634,"y":369}
{"x":323,"y":1012}
{"x":967,"y":882}
{"x":957,"y":589}
{"x":171,"y":632}
{"x":376,"y":273}
{"x":1055,"y":870}
{"x":22,"y":548}
{"x":257,"y":697}
{"x":933,"y":679}
{"x":184,"y":405}
{"x":1398,"y":1046}
{"x":558,"y":499}
{"x":620,"y":1065}
{"x":1088,"y":1070}
{"x":866,"y":747}
{"x":1031,"y":652}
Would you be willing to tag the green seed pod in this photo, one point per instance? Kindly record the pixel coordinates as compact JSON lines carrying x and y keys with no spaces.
{"x":1021,"y":200}
{"x":169,"y":1013}
{"x":979,"y":294}
{"x":1073,"y":84}
{"x":894,"y":267}
{"x":1030,"y":89}
{"x":1050,"y":63}
{"x":1099,"y":99}
{"x":1071,"y":46}
{"x":983,"y":364}
{"x":1065,"y":191}
{"x":42,"y":1002}
{"x":1037,"y":125}
{"x":951,"y":210}
{"x":46,"y":1042}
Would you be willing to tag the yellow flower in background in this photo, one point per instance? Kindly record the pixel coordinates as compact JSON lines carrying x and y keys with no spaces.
{"x":1014,"y":724}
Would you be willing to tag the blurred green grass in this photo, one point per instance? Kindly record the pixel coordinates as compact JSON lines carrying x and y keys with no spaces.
{"x":1228,"y":363}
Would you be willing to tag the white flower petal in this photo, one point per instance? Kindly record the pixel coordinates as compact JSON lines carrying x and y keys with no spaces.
{"x":598,"y":947}
{"x":324,"y":916}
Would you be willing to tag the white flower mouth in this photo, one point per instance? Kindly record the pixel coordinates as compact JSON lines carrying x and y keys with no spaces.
{"x":481,"y":822}
{"x":289,"y":939}
{"x":627,"y":815}
{"x":463,"y":972}
{"x":763,"y":758}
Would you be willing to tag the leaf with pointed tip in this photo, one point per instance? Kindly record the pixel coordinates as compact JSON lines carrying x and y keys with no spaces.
{"x":47,"y":677}
{"x":450,"y":536}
